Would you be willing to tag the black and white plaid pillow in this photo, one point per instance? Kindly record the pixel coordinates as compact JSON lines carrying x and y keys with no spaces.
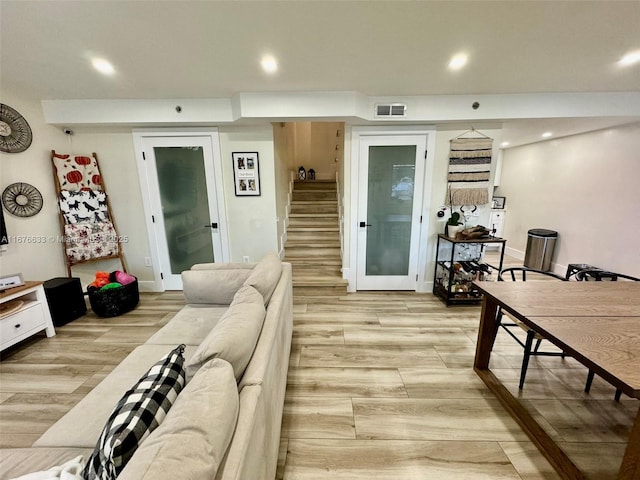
{"x":136,"y":415}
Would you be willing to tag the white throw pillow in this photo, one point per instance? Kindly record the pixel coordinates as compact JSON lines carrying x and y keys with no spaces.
{"x":235,"y":336}
{"x":192,"y":440}
{"x":141,"y":409}
{"x":212,"y":287}
{"x":265,"y":276}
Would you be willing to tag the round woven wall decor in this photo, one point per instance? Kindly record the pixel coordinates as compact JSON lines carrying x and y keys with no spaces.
{"x":15,"y":132}
{"x":22,"y":200}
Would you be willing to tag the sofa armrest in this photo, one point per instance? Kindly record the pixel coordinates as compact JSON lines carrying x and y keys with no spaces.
{"x":253,"y":453}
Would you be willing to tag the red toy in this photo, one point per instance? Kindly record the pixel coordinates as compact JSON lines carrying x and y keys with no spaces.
{"x":102,"y":278}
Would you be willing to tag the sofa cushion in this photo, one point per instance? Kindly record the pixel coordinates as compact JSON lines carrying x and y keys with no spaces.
{"x":213,"y":286}
{"x":193,"y":439}
{"x":81,"y":426}
{"x":189,"y":326}
{"x":137,"y":414}
{"x":264,"y":277}
{"x":235,"y":336}
{"x":15,"y":462}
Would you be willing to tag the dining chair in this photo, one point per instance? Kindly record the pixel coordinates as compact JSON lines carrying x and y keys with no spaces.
{"x":522,"y":274}
{"x":599,"y":276}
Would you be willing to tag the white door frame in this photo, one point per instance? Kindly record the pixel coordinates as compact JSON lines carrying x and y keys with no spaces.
{"x":358,"y":133}
{"x":139,"y":135}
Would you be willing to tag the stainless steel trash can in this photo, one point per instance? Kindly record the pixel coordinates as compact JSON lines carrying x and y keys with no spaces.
{"x":540,"y":245}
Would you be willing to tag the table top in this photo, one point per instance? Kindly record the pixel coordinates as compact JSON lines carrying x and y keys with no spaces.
{"x":582,"y":319}
{"x":608,"y":345}
{"x":566,"y":299}
{"x":10,"y":292}
{"x":473,"y":240}
{"x":598,"y":323}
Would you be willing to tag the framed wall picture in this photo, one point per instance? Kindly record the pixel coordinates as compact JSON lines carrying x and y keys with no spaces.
{"x":246,"y":174}
{"x":498,"y":203}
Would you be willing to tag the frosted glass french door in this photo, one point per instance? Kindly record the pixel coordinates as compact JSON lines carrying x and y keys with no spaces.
{"x":182,"y":189}
{"x":390,"y":192}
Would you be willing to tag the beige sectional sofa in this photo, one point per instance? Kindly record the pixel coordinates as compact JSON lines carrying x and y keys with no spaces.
{"x":225,"y":424}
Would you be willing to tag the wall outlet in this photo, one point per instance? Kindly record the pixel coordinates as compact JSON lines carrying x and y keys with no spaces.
{"x":245,"y":259}
{"x":147,"y":261}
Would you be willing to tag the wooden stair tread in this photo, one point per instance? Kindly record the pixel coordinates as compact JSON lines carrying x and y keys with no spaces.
{"x":314,"y":215}
{"x":313,"y":240}
{"x":319,"y":281}
{"x":311,"y":222}
{"x":300,"y":261}
{"x":314,"y":229}
{"x":293,"y":241}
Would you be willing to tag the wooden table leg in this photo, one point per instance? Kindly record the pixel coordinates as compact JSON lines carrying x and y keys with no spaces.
{"x":630,"y":468}
{"x":540,"y":438}
{"x":486,"y":333}
{"x":486,"y":337}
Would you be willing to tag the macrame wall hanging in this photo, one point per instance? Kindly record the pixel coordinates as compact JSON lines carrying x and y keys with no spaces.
{"x":469,"y":169}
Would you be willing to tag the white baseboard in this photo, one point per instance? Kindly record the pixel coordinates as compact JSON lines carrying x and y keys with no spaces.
{"x":555,"y":267}
{"x":512,"y":252}
{"x":421,"y":287}
{"x":148,"y":286}
{"x":351,"y":285}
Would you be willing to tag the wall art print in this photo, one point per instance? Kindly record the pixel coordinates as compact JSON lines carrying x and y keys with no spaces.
{"x":246,"y":174}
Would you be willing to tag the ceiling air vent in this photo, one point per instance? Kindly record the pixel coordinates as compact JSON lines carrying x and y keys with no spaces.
{"x":391,"y":110}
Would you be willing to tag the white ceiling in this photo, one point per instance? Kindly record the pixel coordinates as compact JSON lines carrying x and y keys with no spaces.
{"x":210,"y":49}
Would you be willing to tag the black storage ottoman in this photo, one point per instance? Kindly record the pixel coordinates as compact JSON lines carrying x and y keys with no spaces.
{"x":65,"y":299}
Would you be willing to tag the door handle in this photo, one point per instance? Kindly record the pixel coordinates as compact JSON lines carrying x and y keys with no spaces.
{"x":364,"y":224}
{"x":212,"y":225}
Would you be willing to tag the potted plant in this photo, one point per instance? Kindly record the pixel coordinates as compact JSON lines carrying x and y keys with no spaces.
{"x":454,"y":225}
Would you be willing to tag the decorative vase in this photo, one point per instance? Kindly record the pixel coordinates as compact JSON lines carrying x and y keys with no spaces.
{"x":452,"y":230}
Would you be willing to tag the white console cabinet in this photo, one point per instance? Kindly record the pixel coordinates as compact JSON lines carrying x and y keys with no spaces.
{"x":496,"y":221}
{"x":31,"y":316}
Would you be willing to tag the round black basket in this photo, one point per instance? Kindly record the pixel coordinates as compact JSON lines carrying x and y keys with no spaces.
{"x":114,"y":301}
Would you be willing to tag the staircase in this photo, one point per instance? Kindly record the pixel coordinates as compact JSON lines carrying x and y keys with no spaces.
{"x":313,"y":240}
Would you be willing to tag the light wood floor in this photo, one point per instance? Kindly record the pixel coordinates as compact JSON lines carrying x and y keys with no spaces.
{"x":380,"y":386}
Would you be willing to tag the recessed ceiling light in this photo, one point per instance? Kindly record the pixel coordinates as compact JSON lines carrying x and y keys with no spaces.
{"x":458,"y":61}
{"x":269,"y":64}
{"x":103,"y":66}
{"x":629,"y":59}
{"x":504,"y":144}
{"x":546,"y":134}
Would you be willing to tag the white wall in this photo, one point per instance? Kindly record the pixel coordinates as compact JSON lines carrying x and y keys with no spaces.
{"x":433,"y":199}
{"x":586,"y":188}
{"x":118,"y":167}
{"x":32,"y":166}
{"x":284,"y":150}
{"x":439,"y":190}
{"x":582,"y":186}
{"x":318,"y":147}
{"x":252,"y":220}
{"x":41,"y":261}
{"x":326,"y":149}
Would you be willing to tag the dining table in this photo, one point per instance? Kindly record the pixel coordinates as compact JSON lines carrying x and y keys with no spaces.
{"x":597,"y":323}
